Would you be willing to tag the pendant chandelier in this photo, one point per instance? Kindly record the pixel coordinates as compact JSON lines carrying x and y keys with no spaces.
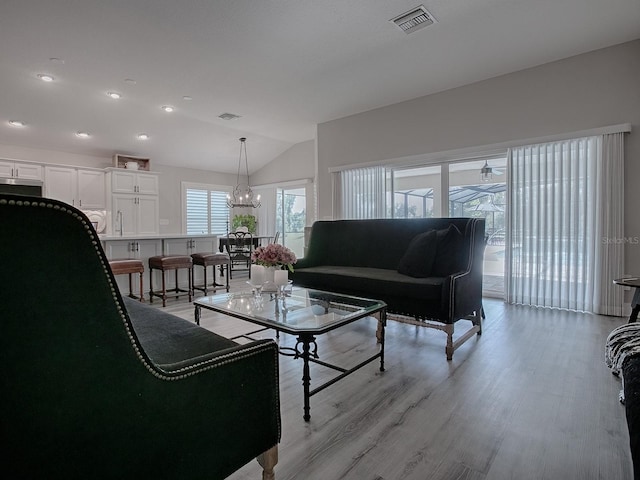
{"x":242,"y":196}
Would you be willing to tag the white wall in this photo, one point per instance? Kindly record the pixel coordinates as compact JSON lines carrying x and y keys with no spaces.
{"x":296,"y":163}
{"x":170,"y":182}
{"x":595,"y":89}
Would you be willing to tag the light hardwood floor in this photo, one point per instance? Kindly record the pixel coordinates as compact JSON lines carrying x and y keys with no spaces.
{"x":529,"y":399}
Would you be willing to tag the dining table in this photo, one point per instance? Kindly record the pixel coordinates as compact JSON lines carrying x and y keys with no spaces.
{"x":257,"y":240}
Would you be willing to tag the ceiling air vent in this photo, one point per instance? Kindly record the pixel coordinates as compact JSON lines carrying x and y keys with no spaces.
{"x":414,"y":19}
{"x":228,"y":116}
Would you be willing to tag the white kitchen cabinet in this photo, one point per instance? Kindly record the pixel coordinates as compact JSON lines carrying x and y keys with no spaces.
{"x":134,"y":202}
{"x":91,"y":189}
{"x":61,"y":184}
{"x":189,"y":245}
{"x":130,"y":182}
{"x":135,"y":214}
{"x":133,"y":249}
{"x":82,"y":188}
{"x":30,"y":171}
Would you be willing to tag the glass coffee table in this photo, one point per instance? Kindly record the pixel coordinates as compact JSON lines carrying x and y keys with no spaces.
{"x":306,"y":314}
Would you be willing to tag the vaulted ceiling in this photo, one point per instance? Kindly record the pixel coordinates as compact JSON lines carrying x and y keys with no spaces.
{"x":282,"y":66}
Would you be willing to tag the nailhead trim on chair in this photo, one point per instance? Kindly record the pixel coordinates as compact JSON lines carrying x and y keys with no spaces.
{"x":182,"y":373}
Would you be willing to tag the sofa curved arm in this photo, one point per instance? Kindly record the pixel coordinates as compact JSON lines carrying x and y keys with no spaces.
{"x":303,"y":262}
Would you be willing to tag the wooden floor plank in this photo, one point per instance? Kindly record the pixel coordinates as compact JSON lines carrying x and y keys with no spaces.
{"x":531,"y":398}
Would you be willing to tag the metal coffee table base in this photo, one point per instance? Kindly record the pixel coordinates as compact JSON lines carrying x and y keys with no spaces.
{"x":307,"y":349}
{"x":305,"y":314}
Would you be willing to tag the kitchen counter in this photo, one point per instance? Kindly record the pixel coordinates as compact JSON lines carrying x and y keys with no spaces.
{"x":163,"y":236}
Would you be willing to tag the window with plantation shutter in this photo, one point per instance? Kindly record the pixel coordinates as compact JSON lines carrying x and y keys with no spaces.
{"x":206,"y":210}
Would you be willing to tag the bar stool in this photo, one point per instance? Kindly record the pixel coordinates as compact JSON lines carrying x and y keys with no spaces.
{"x":169,"y":262}
{"x":127,"y":266}
{"x":215,"y":259}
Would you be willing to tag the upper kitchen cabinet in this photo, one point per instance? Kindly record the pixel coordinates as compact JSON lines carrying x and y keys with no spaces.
{"x":134,"y":182}
{"x":83,"y":188}
{"x":11,"y":169}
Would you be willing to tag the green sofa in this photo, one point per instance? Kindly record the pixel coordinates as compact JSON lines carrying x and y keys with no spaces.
{"x":97,"y":386}
{"x":427,"y":270}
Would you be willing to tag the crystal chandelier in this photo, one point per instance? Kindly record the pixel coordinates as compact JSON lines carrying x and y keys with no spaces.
{"x":242,"y":194}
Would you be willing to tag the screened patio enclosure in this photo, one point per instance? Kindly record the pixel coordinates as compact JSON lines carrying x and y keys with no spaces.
{"x":479,"y":201}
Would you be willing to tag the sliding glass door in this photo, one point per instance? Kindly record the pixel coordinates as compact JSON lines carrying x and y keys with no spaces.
{"x":474,"y":195}
{"x":291,"y":218}
{"x":416,"y":193}
{"x":458,"y":190}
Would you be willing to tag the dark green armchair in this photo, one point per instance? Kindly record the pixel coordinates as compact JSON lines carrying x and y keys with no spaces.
{"x":93,"y":387}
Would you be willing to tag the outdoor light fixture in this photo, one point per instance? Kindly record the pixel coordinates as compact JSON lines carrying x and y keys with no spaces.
{"x":486,"y":172}
{"x":242,"y":195}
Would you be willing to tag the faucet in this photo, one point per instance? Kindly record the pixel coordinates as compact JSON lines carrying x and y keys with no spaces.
{"x":119,"y":220}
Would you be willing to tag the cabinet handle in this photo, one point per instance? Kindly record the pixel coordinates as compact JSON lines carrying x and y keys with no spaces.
{"x":137,"y":247}
{"x":80,"y":202}
{"x":16,"y":173}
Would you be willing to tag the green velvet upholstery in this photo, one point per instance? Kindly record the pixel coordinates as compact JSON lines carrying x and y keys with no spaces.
{"x":362,"y":258}
{"x":93,"y":387}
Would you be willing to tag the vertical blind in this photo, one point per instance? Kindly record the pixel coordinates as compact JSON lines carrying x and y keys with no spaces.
{"x":565,"y":214}
{"x":361,"y":193}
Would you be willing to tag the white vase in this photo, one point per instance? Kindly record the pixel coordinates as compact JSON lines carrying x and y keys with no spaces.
{"x":269,"y":285}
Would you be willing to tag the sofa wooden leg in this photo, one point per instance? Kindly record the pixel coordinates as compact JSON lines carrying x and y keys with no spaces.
{"x":267,"y":461}
{"x":449,"y":348}
{"x":479,"y":316}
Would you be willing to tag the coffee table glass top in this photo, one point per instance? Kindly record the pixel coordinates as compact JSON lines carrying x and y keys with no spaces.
{"x":301,"y":310}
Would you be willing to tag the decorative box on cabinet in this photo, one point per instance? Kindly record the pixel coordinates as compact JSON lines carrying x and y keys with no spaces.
{"x":82,"y":188}
{"x":121,"y":161}
{"x":11,"y":169}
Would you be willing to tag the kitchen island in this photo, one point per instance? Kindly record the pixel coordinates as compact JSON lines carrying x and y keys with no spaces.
{"x":142,"y":247}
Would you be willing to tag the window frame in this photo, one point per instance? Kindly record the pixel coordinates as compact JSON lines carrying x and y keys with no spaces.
{"x":185,"y":186}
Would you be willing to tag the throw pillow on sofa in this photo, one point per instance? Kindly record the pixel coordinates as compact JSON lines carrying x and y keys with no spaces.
{"x":449,"y":254}
{"x":418,"y":260}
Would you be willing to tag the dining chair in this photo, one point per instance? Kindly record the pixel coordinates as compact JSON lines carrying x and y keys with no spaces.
{"x":239,"y":246}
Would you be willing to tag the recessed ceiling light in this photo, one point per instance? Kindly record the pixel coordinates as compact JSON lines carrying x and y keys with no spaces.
{"x":167,"y":108}
{"x":17,"y":123}
{"x":187,"y":98}
{"x":114,"y":95}
{"x":82,"y":134}
{"x":130,"y":81}
{"x":56,"y":60}
{"x":45,"y":77}
{"x":143,"y":136}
